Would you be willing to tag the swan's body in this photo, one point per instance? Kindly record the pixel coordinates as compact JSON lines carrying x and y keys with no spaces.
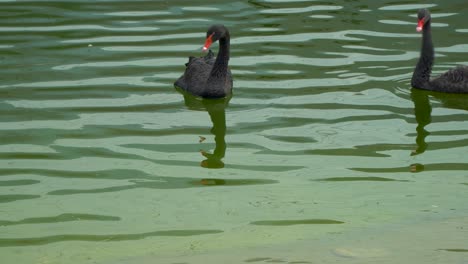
{"x":453,"y":81}
{"x":207,"y":76}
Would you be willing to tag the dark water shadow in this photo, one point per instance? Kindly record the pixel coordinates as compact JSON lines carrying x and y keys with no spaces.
{"x":115,"y":174}
{"x":18,"y":182}
{"x":422,"y":113}
{"x":8,"y":198}
{"x":352,"y":179}
{"x":136,"y":178}
{"x":423,"y":110}
{"x":459,"y":250}
{"x":296,"y":222}
{"x":423,"y":116}
{"x":60,"y":218}
{"x":216,"y":109}
{"x":166,"y":183}
{"x":10,"y":113}
{"x":35,"y":241}
{"x":273,"y":260}
{"x":291,"y":139}
{"x":417,"y":167}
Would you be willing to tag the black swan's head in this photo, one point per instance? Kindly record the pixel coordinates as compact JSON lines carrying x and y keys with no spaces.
{"x":213,"y":34}
{"x":423,"y":17}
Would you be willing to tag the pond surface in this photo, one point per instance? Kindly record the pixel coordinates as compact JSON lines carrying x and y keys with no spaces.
{"x":323,"y":154}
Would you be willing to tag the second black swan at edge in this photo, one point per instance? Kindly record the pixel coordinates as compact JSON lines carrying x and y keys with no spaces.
{"x":206,"y":76}
{"x":453,"y":81}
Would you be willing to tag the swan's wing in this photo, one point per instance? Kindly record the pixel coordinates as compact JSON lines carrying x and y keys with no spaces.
{"x":457,"y":75}
{"x":198,"y":70}
{"x":196,"y":73}
{"x":453,"y":81}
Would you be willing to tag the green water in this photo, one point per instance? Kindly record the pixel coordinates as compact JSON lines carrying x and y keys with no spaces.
{"x":323,"y":154}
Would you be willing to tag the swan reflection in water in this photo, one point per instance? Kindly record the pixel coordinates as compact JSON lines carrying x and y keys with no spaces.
{"x":216,"y":109}
{"x":422,"y":112}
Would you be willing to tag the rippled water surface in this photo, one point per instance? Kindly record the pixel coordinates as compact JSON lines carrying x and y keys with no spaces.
{"x":323,"y":154}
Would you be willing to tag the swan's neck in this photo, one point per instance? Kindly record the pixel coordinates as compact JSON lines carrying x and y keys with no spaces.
{"x":423,"y":69}
{"x":219,"y":72}
{"x":220,"y":66}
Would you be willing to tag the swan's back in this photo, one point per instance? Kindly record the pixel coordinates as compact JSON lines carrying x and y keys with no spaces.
{"x":452,"y":81}
{"x":196,"y":74}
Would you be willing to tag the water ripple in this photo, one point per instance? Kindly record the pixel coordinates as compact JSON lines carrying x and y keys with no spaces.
{"x":137,"y":81}
{"x":297,"y":222}
{"x":60,"y":218}
{"x":301,"y":9}
{"x":74,"y":28}
{"x":35,"y":241}
{"x":139,"y":13}
{"x":406,"y":7}
{"x":119,"y":39}
{"x":8,"y":198}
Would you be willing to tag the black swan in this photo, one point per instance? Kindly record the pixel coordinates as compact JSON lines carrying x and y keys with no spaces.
{"x":453,"y":81}
{"x":205,"y":76}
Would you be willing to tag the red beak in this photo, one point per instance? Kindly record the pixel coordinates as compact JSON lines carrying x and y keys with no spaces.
{"x":208,"y":42}
{"x":420,"y":26}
